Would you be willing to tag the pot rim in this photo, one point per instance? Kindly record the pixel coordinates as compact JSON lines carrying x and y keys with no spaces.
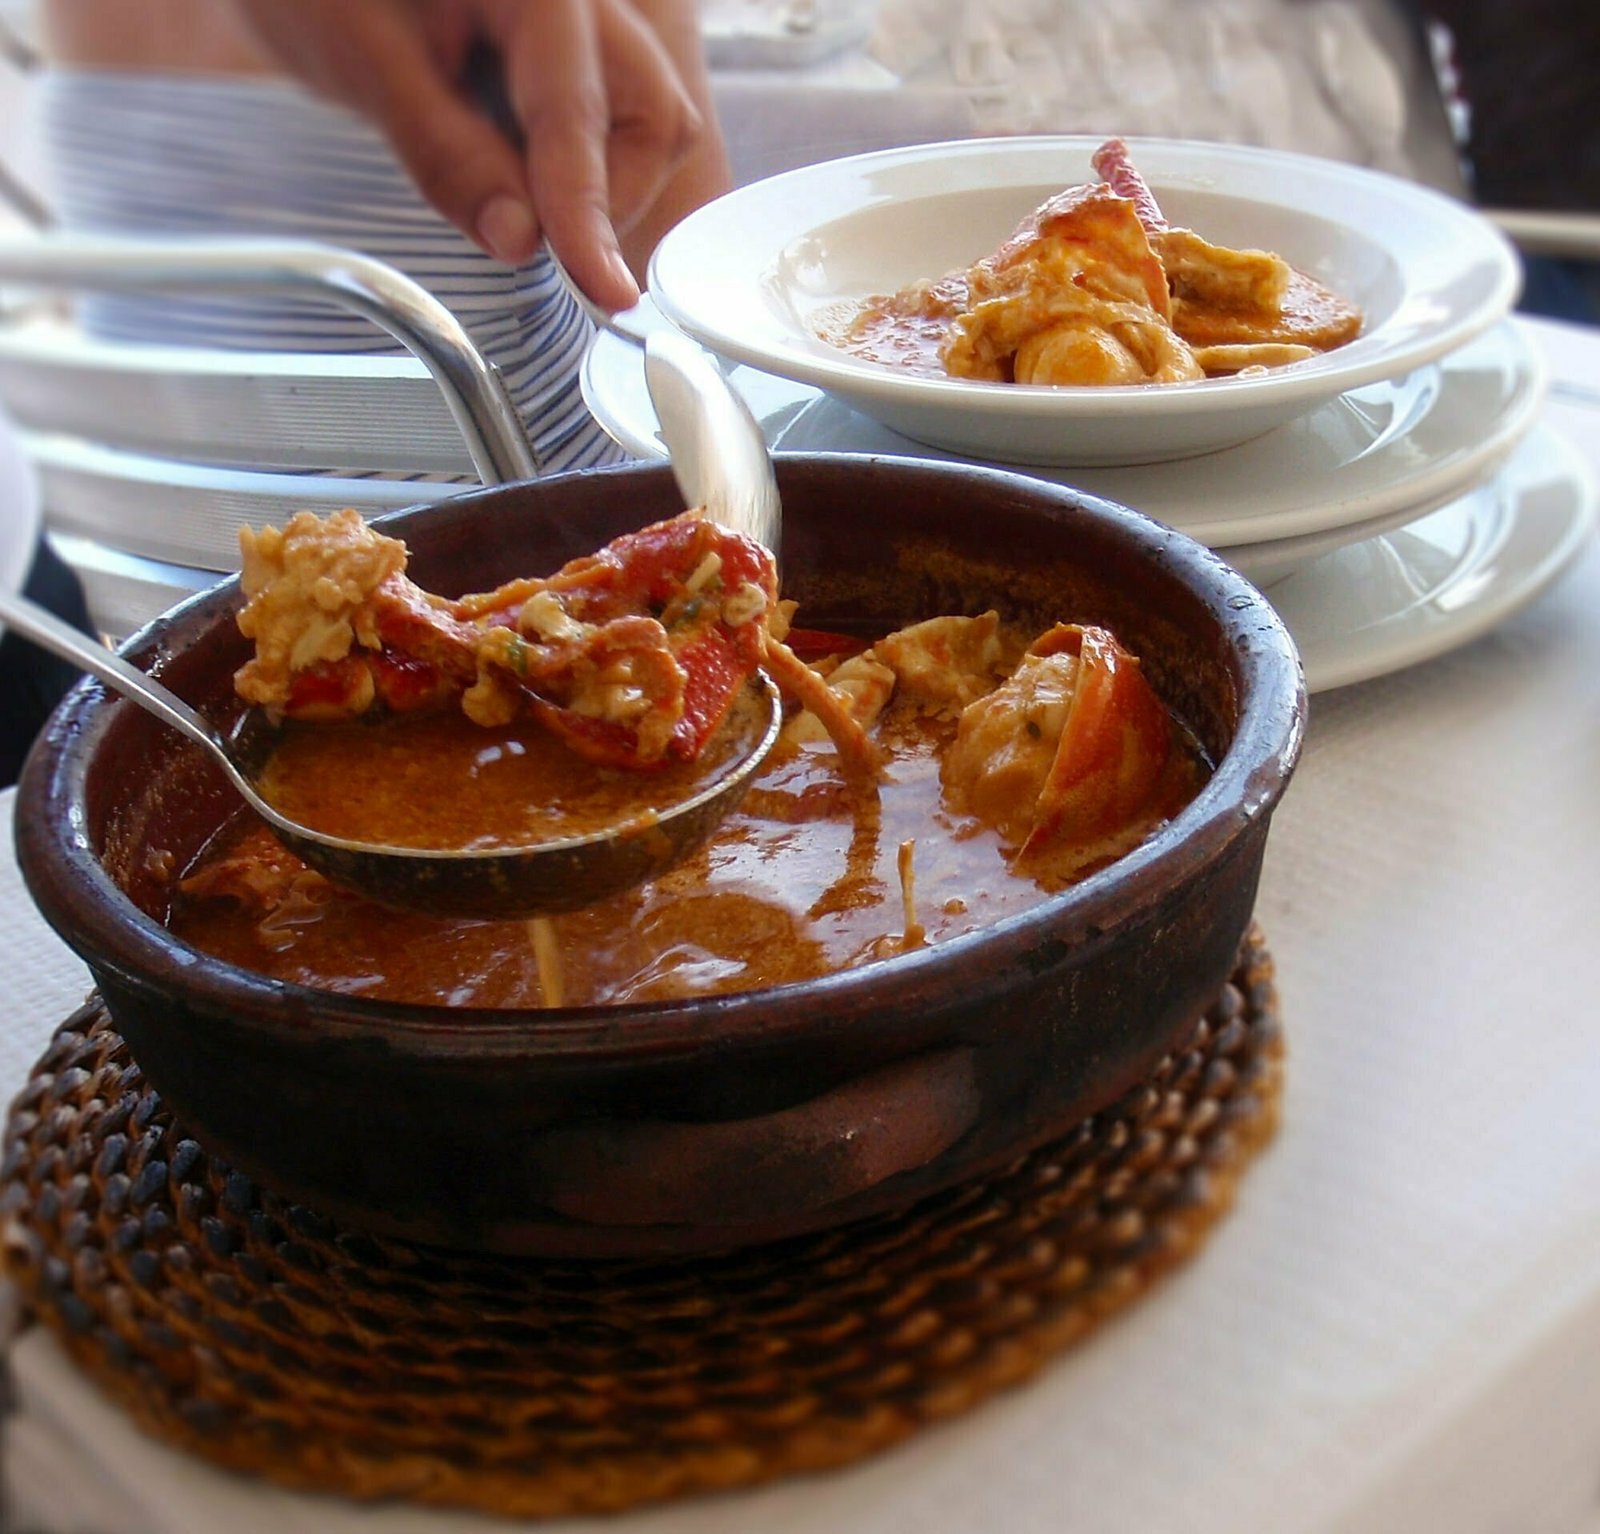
{"x":64,"y":875}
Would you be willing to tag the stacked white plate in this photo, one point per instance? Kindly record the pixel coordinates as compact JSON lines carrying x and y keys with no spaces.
{"x":1395,"y":497}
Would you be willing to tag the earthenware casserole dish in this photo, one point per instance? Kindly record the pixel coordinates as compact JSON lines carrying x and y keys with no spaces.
{"x":700,"y":1125}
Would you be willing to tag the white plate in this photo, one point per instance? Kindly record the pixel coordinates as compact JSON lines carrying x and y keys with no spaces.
{"x":748,"y":273}
{"x":1381,"y":453}
{"x":1276,"y":559}
{"x":1410,"y":595}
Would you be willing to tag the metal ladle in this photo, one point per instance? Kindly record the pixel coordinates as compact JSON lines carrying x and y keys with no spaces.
{"x":719,"y":457}
{"x":539,"y":879}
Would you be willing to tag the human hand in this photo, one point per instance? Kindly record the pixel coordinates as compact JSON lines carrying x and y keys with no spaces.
{"x":604,"y":117}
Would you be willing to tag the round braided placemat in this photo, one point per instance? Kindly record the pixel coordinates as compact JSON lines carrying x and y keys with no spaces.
{"x":257,"y":1334}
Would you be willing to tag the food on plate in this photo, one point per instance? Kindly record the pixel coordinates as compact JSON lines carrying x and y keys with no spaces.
{"x":928,"y":781}
{"x":1096,"y":288}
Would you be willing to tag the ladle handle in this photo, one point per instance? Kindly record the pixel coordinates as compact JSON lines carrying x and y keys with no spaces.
{"x":473,"y":390}
{"x":631,"y":325}
{"x":33,"y":622}
{"x":719,"y":456}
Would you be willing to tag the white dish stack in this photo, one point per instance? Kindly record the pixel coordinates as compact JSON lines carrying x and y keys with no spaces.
{"x":1386,"y":525}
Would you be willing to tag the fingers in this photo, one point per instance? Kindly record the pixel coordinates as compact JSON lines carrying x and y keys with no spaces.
{"x":604,"y":114}
{"x":606,"y":121}
{"x":654,"y":121}
{"x":556,"y":87}
{"x":555,"y":82}
{"x":459,"y":159}
{"x":373,"y":56}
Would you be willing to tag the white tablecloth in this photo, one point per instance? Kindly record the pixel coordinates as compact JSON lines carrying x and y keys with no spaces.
{"x":1398,"y":1328}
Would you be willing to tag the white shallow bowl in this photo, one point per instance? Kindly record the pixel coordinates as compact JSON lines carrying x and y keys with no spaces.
{"x":750,"y":275}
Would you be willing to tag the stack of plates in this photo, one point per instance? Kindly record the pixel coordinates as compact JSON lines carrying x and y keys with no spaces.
{"x":1395,"y":497}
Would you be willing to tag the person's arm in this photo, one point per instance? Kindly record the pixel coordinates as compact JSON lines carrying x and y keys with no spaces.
{"x":609,"y":127}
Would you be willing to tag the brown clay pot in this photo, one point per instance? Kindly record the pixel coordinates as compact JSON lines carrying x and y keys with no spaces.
{"x":696,"y":1125}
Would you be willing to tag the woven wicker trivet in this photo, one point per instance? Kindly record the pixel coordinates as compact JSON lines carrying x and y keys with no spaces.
{"x":253,"y":1332}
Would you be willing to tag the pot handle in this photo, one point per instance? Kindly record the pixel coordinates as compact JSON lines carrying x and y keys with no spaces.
{"x":473,"y":389}
{"x":737,"y":1172}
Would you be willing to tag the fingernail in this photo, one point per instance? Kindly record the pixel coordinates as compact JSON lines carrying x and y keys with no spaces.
{"x":506,"y":227}
{"x":624,"y":277}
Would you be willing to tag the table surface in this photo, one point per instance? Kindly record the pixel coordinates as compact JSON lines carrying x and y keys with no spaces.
{"x":1399,"y":1325}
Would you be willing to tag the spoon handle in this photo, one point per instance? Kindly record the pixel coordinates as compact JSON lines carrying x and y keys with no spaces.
{"x":44,"y":628}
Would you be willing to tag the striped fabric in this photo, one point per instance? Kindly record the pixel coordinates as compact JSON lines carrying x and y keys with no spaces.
{"x":195,"y":154}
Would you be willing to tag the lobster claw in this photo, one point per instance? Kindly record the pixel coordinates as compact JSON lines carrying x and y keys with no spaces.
{"x":633,"y":655}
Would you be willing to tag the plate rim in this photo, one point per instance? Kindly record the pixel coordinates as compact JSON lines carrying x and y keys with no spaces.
{"x":1356,"y":659}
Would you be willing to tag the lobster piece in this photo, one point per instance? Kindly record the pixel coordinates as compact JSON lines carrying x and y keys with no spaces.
{"x":1077,"y":295}
{"x":1236,"y":308}
{"x":633,"y":655}
{"x":1070,"y":752}
{"x":1113,"y":748}
{"x":1114,"y":165}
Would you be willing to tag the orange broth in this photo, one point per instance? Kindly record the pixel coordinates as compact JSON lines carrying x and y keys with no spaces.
{"x":802,"y":880}
{"x":437,"y":781}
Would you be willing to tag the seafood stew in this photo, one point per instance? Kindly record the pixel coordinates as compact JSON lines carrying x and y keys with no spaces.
{"x":788,"y":1109}
{"x":928,"y":782}
{"x":1097,"y":288}
{"x":818,"y":870}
